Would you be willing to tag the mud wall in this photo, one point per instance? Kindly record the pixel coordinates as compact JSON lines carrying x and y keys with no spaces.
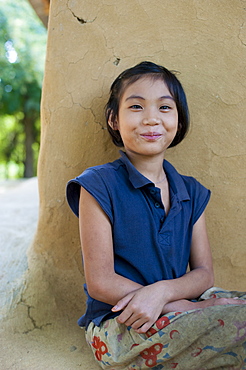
{"x":89,"y":44}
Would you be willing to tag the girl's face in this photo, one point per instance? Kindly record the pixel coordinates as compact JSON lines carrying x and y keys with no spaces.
{"x":147,"y":118}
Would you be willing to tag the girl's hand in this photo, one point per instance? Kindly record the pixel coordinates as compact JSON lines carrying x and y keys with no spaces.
{"x":222,"y":301}
{"x":185,"y":305}
{"x":141,"y":308}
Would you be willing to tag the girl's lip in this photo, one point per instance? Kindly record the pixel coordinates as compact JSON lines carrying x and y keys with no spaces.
{"x":151,"y":135}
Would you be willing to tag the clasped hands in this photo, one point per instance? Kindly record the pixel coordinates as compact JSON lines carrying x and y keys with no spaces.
{"x":142,"y":307}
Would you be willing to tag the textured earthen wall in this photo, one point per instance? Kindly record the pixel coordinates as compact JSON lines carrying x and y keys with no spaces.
{"x":89,"y":44}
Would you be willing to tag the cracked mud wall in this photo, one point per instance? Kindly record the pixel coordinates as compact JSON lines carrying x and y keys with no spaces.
{"x":89,"y":44}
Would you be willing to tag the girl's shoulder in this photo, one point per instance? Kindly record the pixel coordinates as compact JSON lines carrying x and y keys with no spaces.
{"x":186,"y":188}
{"x":96,"y":180}
{"x":192,"y":183}
{"x":178,"y":180}
{"x":102,"y":170}
{"x":199,"y":196}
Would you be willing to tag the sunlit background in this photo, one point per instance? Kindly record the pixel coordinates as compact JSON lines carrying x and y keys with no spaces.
{"x":22,"y":57}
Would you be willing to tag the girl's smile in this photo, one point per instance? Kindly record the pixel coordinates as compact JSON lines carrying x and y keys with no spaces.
{"x":151,"y":136}
{"x":147,"y":118}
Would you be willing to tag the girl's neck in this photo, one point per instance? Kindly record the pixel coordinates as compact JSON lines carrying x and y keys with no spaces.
{"x":150,"y":167}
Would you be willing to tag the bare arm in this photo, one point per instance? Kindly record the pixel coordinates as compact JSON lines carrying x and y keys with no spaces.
{"x":97,"y":246}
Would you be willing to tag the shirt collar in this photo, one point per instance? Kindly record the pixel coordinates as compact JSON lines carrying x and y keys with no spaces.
{"x":135,"y":177}
{"x":176,"y":181}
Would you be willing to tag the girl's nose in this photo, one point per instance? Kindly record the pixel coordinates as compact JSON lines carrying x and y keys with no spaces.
{"x":152,"y":120}
{"x":151,"y":116}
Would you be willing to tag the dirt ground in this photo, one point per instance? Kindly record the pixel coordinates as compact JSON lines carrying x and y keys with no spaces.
{"x":55,"y":346}
{"x":49,"y":348}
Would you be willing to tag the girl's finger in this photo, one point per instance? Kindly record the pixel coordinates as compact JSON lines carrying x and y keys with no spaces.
{"x":122,"y":303}
{"x":137,"y":324}
{"x":124,"y":317}
{"x":144,"y":328}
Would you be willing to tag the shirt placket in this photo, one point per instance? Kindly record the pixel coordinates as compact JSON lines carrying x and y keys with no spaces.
{"x":157,"y":206}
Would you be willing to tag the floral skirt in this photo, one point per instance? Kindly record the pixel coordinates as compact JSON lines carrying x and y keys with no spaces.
{"x":208,"y":338}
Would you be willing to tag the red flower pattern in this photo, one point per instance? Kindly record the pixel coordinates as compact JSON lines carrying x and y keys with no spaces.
{"x":162,"y":322}
{"x":100,"y":346}
{"x":150,"y":354}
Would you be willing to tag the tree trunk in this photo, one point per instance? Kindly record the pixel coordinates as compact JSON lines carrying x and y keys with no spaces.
{"x":41,"y":8}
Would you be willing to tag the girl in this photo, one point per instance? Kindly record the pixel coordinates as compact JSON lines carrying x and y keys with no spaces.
{"x":141,"y":225}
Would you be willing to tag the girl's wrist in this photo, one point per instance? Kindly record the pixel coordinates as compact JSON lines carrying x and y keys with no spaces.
{"x":181,"y":305}
{"x":165,"y":289}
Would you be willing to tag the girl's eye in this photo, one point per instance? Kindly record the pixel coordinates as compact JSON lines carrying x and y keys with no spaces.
{"x":165,"y":107}
{"x":136,"y":106}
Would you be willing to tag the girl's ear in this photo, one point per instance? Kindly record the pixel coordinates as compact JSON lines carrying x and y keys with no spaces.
{"x":113,"y":123}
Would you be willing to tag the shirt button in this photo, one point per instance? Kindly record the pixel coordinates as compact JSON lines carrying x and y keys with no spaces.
{"x":152,"y":191}
{"x":157,"y":205}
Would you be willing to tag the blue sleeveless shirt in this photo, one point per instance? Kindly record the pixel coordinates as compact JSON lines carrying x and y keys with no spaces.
{"x":148,"y":245}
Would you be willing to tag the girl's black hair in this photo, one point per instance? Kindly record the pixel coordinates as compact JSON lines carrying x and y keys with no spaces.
{"x":133,"y":74}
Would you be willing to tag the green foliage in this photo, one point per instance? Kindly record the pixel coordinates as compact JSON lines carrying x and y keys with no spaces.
{"x":22,"y":54}
{"x":10,"y":152}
